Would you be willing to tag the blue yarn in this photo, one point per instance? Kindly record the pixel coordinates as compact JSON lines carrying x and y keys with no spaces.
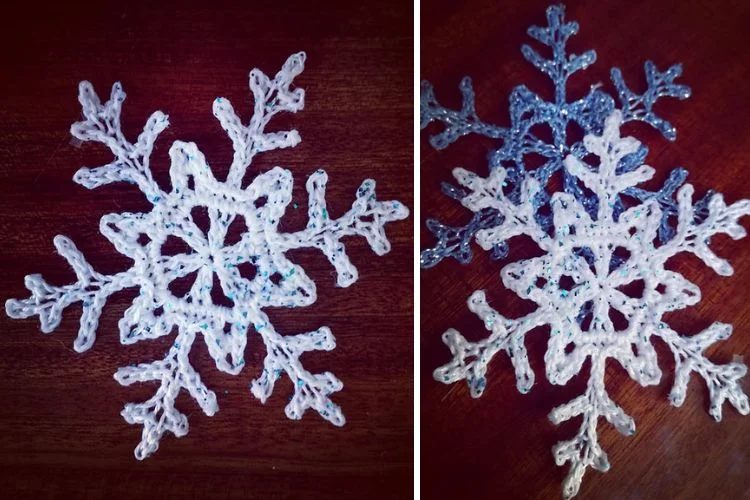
{"x":527,"y":109}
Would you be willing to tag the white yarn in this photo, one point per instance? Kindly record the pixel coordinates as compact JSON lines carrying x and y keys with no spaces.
{"x":278,"y":281}
{"x":539,"y":279}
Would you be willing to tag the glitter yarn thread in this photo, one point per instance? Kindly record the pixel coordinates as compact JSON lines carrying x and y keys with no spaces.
{"x":277,"y":281}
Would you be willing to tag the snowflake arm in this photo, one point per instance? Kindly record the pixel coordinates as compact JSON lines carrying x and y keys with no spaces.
{"x":555,"y":36}
{"x":607,"y":182}
{"x":470,"y":359}
{"x":583,"y":450}
{"x":457,"y":123}
{"x":694,"y":236}
{"x":271,"y":97}
{"x":366,"y":218}
{"x":310,"y":390}
{"x":641,"y":107}
{"x":667,"y":203}
{"x":487,"y":193}
{"x":158,"y":415}
{"x":48,"y":302}
{"x":456,"y":241}
{"x":102,"y":124}
{"x":722,"y":380}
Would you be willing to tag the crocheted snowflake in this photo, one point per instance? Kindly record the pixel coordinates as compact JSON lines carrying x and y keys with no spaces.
{"x":565,"y":283}
{"x":528,"y":112}
{"x":277,"y":281}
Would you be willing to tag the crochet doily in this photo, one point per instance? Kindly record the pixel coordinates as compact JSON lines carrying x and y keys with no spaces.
{"x":596,"y":248}
{"x":272,"y":280}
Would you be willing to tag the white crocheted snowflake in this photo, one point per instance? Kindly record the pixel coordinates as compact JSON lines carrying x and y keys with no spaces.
{"x":277,"y":282}
{"x":576,"y":276}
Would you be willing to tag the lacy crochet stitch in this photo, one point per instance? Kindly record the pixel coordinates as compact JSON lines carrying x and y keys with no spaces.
{"x":277,"y":281}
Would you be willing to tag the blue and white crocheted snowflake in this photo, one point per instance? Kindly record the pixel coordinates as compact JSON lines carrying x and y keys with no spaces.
{"x":272,"y":280}
{"x":601,"y":285}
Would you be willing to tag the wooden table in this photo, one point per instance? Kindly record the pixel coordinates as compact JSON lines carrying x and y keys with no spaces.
{"x":499,"y":446}
{"x":62,"y":435}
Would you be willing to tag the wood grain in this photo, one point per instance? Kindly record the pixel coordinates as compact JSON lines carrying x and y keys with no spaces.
{"x":499,"y":445}
{"x":62,"y":435}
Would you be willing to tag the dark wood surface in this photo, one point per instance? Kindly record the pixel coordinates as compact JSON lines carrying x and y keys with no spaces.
{"x":61,"y":434}
{"x":499,"y":446}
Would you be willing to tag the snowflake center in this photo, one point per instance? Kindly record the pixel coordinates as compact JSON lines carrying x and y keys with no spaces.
{"x":215,"y":258}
